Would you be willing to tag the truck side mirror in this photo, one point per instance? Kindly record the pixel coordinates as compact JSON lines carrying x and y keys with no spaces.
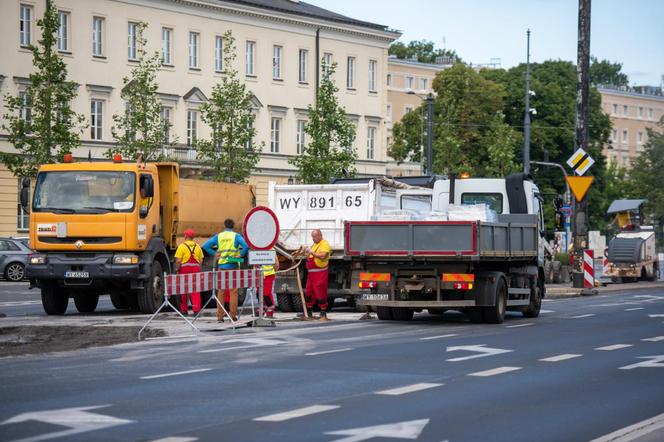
{"x":25,"y":194}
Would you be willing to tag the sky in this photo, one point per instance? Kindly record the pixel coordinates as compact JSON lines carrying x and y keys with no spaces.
{"x":630,"y":32}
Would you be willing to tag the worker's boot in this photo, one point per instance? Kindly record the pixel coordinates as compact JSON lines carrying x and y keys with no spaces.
{"x":323,"y":316}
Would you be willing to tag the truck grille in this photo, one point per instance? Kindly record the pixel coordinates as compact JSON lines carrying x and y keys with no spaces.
{"x":87,"y":240}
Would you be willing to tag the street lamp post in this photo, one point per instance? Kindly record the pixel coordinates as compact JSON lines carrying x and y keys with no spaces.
{"x":429,"y":100}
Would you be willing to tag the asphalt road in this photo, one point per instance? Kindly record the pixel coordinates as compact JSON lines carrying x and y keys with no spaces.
{"x":586,"y":368}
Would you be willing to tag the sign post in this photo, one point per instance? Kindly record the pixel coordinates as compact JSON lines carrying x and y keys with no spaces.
{"x":579,"y":162}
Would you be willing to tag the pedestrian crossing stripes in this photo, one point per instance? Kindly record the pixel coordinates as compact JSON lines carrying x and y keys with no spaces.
{"x":300,"y":412}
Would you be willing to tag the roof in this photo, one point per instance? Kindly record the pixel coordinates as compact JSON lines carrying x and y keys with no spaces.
{"x":625,"y":206}
{"x":305,"y":10}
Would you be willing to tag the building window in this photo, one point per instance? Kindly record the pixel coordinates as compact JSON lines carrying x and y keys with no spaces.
{"x":23,"y":219}
{"x":250,"y":141}
{"x":165,"y":117}
{"x":389,"y":79}
{"x":371,"y":142}
{"x":650,"y":113}
{"x":25,"y":25}
{"x":26,"y":107}
{"x":219,"y":53}
{"x":251,"y":55}
{"x":423,"y":84}
{"x":302,"y":68}
{"x":624,"y":136}
{"x":639,"y":137}
{"x":192,"y":127}
{"x":327,"y":63}
{"x":614,"y":135}
{"x":640,"y":111}
{"x":193,"y":50}
{"x":408,"y":109}
{"x":409,"y":82}
{"x":97,"y":36}
{"x":276,"y":62}
{"x":614,"y":109}
{"x":275,"y":134}
{"x":167,"y":46}
{"x":96,"y":119}
{"x":63,"y":31}
{"x":389,"y":112}
{"x":301,"y":136}
{"x":372,"y":75}
{"x":132,"y":29}
{"x":350,"y":73}
{"x":625,"y":108}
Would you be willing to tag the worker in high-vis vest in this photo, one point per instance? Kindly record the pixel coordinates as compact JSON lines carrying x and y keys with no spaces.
{"x":188,"y":259}
{"x":269,"y":275}
{"x":318,"y":256}
{"x":229,"y":249}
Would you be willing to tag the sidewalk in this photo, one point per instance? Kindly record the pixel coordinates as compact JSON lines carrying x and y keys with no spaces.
{"x":567,"y":291}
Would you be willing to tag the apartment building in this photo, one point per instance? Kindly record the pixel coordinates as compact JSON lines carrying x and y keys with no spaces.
{"x":631,"y":111}
{"x":408,"y":83}
{"x":278,"y":43}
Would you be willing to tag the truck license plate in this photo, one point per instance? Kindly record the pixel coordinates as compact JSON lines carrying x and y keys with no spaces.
{"x":72,"y":274}
{"x":375,"y":297}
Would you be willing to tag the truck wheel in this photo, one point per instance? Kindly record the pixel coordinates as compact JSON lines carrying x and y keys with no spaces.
{"x":151,"y":297}
{"x":533,"y":309}
{"x":496,"y":314}
{"x":384,"y":313}
{"x":402,"y":313}
{"x":118,"y":300}
{"x":475,"y":315}
{"x":284,"y":301}
{"x":86,"y":303}
{"x":54,"y":299}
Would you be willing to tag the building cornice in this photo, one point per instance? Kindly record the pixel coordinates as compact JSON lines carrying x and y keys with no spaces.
{"x":604,"y":91}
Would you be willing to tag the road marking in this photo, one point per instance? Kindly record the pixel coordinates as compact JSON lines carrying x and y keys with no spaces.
{"x":547,"y":311}
{"x":408,"y":389}
{"x":399,"y":430}
{"x":482,"y":349}
{"x":614,"y":347}
{"x":634,"y":431}
{"x":338,"y":350}
{"x":175,"y":373}
{"x":658,"y":315}
{"x":559,"y":358}
{"x":634,"y":309}
{"x":18,"y":303}
{"x":587,"y":315}
{"x":438,"y":337}
{"x":176,"y":439}
{"x":251,"y":343}
{"x":527,"y":324}
{"x":494,"y":371}
{"x":651,"y":361}
{"x":300,"y":412}
{"x":654,"y":339}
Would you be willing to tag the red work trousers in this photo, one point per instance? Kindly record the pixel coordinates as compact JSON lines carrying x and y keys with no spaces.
{"x":195,"y":296}
{"x":316,"y":291}
{"x":268,"y":285}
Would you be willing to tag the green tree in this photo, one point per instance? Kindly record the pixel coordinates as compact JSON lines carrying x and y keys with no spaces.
{"x":231,"y":152}
{"x":329,"y":153}
{"x":40,"y":122}
{"x":607,"y":73}
{"x":140,"y":129}
{"x":423,"y":51}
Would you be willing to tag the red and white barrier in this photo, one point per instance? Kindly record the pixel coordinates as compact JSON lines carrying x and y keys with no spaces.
{"x":588,"y":269}
{"x":237,"y":279}
{"x":188,"y":283}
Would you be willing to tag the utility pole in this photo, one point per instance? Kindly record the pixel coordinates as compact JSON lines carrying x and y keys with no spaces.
{"x":526,"y":117}
{"x":430,"y":134}
{"x":580,"y":224}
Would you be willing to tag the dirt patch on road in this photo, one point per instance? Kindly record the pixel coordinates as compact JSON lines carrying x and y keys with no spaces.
{"x":45,"y":339}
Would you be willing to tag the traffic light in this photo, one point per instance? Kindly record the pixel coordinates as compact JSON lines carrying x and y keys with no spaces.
{"x":559,"y":215}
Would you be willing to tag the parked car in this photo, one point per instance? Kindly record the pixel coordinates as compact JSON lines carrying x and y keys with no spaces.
{"x":14,"y":254}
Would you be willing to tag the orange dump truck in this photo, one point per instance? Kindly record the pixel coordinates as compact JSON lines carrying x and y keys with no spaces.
{"x":112,"y":228}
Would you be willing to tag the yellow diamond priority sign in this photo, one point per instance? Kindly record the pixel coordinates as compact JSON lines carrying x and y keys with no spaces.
{"x":580,"y":161}
{"x":579,"y":185}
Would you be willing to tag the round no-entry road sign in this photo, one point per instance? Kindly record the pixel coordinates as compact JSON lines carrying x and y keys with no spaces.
{"x":261,"y":228}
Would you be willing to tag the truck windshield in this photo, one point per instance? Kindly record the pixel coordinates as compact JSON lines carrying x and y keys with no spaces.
{"x":84,"y":192}
{"x":493,"y":200}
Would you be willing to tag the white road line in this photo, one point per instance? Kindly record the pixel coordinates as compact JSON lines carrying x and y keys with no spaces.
{"x":587,"y":315}
{"x":437,"y":337}
{"x":300,"y":412}
{"x":408,"y":389}
{"x":559,"y":358}
{"x":614,"y":347}
{"x":547,"y":311}
{"x":177,"y":373}
{"x":658,"y":315}
{"x":634,"y":309}
{"x":18,"y":303}
{"x":338,"y":350}
{"x":494,"y":371}
{"x":520,"y":325}
{"x":176,"y":439}
{"x":634,"y":431}
{"x":654,"y":339}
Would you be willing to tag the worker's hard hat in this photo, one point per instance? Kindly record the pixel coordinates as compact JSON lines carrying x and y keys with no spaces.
{"x":189,"y":233}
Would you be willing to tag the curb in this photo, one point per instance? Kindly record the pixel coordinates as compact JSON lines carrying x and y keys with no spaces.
{"x":568,"y":292}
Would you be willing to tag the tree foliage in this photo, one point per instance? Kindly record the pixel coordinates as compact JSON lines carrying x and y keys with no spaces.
{"x":469,"y":133}
{"x":329,"y":152}
{"x":231,"y":152}
{"x":140,"y":129}
{"x":423,"y":51}
{"x":607,"y":73}
{"x":41,"y":125}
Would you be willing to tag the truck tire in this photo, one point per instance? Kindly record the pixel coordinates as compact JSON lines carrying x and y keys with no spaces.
{"x":496,"y":313}
{"x":402,"y":313}
{"x":119,"y":300}
{"x":384,"y":313}
{"x":54,"y":299}
{"x":151,"y":297}
{"x":284,"y":301}
{"x":86,"y":303}
{"x":533,"y":309}
{"x":475,"y":315}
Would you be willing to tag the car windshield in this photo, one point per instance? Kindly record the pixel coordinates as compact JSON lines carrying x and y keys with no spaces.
{"x":84,"y":192}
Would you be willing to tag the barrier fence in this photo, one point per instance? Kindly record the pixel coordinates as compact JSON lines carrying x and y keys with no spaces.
{"x":588,"y":269}
{"x":205,"y":281}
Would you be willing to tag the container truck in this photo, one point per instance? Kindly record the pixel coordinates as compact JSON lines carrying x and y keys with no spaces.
{"x":112,"y":228}
{"x":480,"y":265}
